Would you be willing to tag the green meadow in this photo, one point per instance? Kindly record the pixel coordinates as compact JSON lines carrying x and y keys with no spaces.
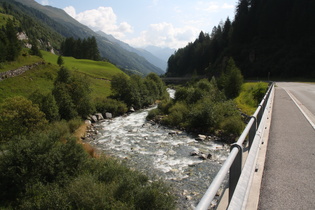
{"x":95,"y":69}
{"x":41,"y":78}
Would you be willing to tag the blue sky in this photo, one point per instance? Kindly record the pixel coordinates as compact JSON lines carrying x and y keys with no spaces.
{"x":163,"y":23}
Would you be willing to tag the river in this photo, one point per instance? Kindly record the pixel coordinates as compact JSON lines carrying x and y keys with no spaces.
{"x":161,"y":152}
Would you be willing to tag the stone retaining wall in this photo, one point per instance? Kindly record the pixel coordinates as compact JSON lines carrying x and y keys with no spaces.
{"x":19,"y":71}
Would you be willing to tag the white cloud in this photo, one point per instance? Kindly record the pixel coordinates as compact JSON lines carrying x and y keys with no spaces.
{"x":213,"y":6}
{"x":102,"y":18}
{"x":165,"y":35}
{"x":228,"y":6}
{"x":71,"y":11}
{"x":45,"y":2}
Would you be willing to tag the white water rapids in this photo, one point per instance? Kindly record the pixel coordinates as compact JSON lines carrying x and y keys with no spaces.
{"x":162,"y":152}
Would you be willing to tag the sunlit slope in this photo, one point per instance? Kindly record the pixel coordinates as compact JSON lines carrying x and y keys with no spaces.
{"x":42,"y":77}
{"x":95,"y":69}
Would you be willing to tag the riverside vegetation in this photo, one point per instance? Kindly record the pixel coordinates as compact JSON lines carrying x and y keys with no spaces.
{"x":42,"y":166}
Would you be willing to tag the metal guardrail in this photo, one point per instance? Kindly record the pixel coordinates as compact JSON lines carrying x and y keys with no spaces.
{"x":233,"y":163}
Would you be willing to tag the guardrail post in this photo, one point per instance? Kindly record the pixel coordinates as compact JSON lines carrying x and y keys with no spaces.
{"x":252,"y":133}
{"x":235,"y":170}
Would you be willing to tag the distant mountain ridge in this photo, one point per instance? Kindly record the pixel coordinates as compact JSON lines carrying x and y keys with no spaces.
{"x":60,"y":22}
{"x":155,"y":60}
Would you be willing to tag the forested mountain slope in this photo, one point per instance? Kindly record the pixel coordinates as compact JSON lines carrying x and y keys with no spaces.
{"x":266,"y":37}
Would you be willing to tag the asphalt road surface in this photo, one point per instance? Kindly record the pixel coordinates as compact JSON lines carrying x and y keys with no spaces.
{"x":289,"y":173}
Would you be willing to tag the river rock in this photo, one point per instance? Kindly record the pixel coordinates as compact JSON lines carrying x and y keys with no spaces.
{"x":201,"y":137}
{"x":131,"y":109}
{"x":93,"y":118}
{"x":99,"y":116}
{"x":108,"y":115}
{"x":88,"y":122}
{"x":194,"y":153}
{"x":205,"y":157}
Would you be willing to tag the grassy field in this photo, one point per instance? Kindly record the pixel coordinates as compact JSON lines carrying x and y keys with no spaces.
{"x":21,"y":61}
{"x":96,"y":69}
{"x":246,"y":100}
{"x":41,"y":78}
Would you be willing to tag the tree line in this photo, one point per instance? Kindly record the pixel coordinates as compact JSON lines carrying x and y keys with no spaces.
{"x":10,"y":46}
{"x":80,"y":49}
{"x":266,"y":37}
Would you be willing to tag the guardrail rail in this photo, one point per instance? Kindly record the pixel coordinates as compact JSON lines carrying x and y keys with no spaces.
{"x":239,"y":185}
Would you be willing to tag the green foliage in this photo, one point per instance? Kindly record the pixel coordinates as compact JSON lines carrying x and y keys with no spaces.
{"x":9,"y":44}
{"x":250,"y":96}
{"x":39,"y":159}
{"x":72,"y":95}
{"x":231,"y":80}
{"x":47,"y":104}
{"x":74,"y":124}
{"x":60,"y":61}
{"x":264,"y":39}
{"x":178,"y":115}
{"x":35,"y":51}
{"x":19,"y":116}
{"x":232,"y":125}
{"x":81,"y":49}
{"x":113,"y":106}
{"x":42,"y":172}
{"x":201,"y":107}
{"x":136,"y":91}
{"x":153,"y":114}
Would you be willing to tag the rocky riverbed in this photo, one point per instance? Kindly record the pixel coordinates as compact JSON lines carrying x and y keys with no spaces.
{"x":189,"y":165}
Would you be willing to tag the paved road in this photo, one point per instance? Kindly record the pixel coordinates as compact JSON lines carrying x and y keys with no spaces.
{"x":289,"y":173}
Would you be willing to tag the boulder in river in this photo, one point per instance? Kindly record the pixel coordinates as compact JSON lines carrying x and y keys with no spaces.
{"x":108,"y":115}
{"x":99,"y":116}
{"x":201,"y":137}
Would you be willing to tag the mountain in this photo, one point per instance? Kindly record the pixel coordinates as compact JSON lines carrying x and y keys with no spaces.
{"x":155,"y":60}
{"x":59,"y":22}
{"x":162,"y":53}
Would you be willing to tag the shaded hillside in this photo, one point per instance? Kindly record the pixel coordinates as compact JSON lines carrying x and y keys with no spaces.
{"x":155,"y":60}
{"x":267,"y":37}
{"x":54,"y":25}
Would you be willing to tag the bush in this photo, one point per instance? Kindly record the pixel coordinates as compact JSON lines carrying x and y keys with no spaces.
{"x":232,"y":125}
{"x":19,"y":116}
{"x":74,"y":124}
{"x":113,"y":106}
{"x":259,"y":91}
{"x":250,"y":96}
{"x":38,"y":159}
{"x":40,"y":196}
{"x":178,"y":115}
{"x":204,"y":115}
{"x":153,"y":113}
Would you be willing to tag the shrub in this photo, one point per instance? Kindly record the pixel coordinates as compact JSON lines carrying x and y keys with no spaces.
{"x":19,"y":116}
{"x":259,"y":91}
{"x":232,"y":125}
{"x":165,"y":105}
{"x":178,"y":115}
{"x":113,"y":106}
{"x":153,"y":113}
{"x":204,"y":115}
{"x":40,"y":196}
{"x":40,"y":158}
{"x":74,"y":124}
